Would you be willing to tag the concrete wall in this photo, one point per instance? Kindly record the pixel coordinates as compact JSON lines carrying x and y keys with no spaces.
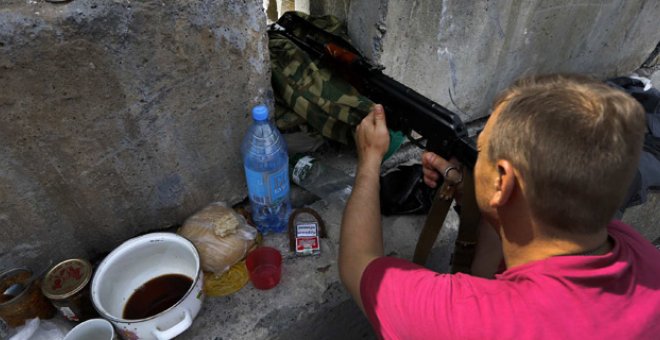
{"x":119,"y":117}
{"x":476,"y":48}
{"x":338,"y":8}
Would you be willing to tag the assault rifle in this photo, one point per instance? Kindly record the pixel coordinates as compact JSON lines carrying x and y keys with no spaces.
{"x":406,"y":110}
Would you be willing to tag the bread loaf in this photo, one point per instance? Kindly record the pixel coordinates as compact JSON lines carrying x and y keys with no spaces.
{"x":222,"y":236}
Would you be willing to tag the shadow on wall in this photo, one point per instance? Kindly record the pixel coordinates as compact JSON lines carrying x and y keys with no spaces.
{"x":275,"y":8}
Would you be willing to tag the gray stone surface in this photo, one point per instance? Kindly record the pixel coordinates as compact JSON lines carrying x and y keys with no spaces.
{"x":476,"y":48}
{"x":655,"y":77}
{"x":120,"y":117}
{"x":338,"y":8}
{"x":310,"y":302}
{"x":366,"y":25}
{"x":646,"y":217}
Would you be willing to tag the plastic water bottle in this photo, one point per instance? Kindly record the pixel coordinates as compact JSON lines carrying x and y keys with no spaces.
{"x":267,"y":173}
{"x":321,"y":179}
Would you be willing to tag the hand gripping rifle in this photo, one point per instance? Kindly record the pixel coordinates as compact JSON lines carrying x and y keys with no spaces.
{"x":407,"y":111}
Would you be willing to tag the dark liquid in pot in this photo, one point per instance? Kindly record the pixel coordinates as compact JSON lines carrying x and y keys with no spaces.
{"x":156,"y":295}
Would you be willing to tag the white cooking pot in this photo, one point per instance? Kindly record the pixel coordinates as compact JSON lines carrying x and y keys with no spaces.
{"x":136,"y":262}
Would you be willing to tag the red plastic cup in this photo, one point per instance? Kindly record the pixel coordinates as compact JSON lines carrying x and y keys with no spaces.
{"x":264,"y":266}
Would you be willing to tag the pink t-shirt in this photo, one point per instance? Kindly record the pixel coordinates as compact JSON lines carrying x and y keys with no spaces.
{"x":611,"y":296}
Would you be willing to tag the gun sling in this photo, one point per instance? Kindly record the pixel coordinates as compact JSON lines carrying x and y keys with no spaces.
{"x":466,"y":239}
{"x":432,"y":226}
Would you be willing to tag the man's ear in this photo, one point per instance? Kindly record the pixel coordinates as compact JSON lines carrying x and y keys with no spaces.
{"x":505,"y":184}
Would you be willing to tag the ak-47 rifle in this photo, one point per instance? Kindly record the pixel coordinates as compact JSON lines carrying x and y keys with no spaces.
{"x":406,"y":110}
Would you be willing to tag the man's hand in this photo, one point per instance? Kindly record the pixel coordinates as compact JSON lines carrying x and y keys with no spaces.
{"x":372,"y":137}
{"x":435,"y":166}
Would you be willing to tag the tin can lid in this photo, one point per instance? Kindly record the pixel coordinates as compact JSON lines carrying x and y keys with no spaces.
{"x":66,"y":279}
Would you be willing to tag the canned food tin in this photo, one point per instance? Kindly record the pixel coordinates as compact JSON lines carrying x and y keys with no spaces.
{"x":67,"y":287}
{"x":30,"y":303}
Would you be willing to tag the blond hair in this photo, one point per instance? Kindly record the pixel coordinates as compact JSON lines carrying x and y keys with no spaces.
{"x":576,"y":143}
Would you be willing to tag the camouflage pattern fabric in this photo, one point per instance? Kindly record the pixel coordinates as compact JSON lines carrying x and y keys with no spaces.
{"x":306,"y":92}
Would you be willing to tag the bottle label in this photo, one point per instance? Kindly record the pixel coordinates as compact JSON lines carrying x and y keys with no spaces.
{"x":267,"y":188}
{"x":301,"y":169}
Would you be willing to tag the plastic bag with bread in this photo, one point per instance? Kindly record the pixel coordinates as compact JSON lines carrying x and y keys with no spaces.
{"x":221,"y":235}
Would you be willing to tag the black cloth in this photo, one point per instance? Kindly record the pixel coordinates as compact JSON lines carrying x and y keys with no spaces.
{"x":648,"y":171}
{"x":403,"y":191}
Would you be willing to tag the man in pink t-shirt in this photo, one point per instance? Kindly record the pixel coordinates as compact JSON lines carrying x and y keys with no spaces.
{"x":555,"y":160}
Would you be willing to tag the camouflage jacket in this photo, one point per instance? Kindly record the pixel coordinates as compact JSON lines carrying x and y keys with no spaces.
{"x":307,"y":92}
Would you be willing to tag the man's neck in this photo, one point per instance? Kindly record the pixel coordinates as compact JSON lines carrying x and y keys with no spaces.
{"x":540,"y":247}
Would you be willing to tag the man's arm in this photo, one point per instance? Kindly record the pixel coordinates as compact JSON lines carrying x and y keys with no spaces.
{"x":361,"y":239}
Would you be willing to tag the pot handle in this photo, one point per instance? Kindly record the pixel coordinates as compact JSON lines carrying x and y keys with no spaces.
{"x":176,"y":329}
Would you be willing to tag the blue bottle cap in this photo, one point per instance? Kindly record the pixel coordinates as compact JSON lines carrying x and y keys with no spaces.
{"x":260,"y":112}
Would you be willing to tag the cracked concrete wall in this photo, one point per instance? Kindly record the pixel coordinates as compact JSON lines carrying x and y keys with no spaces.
{"x":476,"y":48}
{"x":120,"y":117}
